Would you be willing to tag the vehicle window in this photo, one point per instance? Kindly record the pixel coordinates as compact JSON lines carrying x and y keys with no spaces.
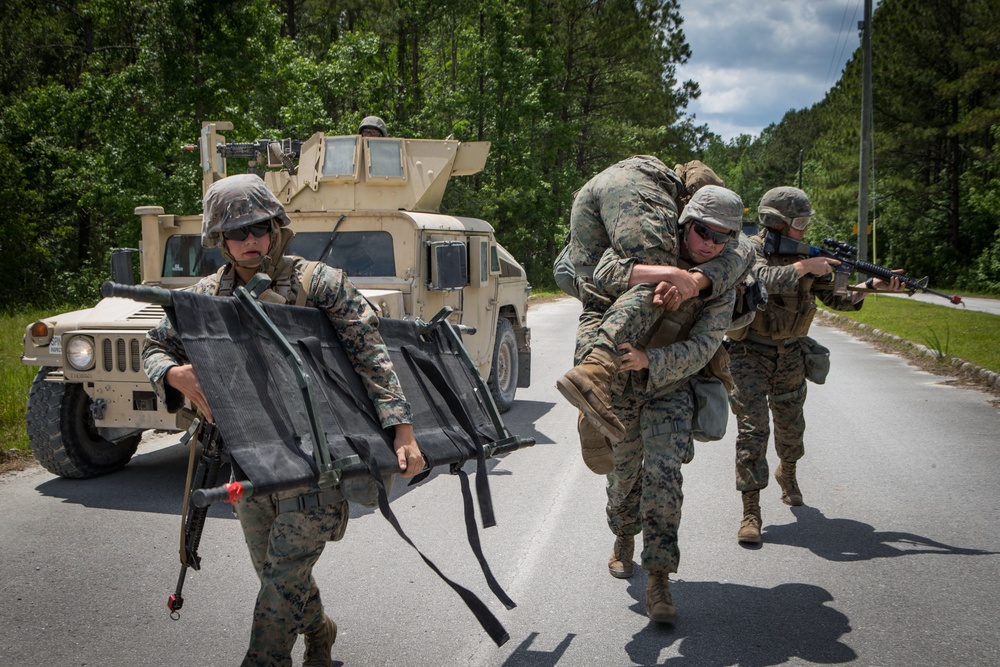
{"x":357,"y":253}
{"x":385,"y":157}
{"x":338,"y":156}
{"x":184,"y":257}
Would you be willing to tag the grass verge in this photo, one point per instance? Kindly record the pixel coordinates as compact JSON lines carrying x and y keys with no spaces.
{"x":947,"y":331}
{"x":15,"y":381}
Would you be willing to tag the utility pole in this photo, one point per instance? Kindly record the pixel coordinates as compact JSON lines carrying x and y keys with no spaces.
{"x":866,"y":127}
{"x":800,"y":168}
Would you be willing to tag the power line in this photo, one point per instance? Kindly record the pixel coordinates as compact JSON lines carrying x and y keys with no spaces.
{"x":846,"y":33}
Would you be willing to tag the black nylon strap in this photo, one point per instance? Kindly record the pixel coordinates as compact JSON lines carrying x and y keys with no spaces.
{"x":477,"y":548}
{"x":486,"y":619}
{"x":455,"y":403}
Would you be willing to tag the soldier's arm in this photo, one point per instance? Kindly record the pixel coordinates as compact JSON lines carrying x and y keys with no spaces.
{"x":729,"y":268}
{"x":164,"y":351}
{"x":356,"y":325}
{"x":680,"y":360}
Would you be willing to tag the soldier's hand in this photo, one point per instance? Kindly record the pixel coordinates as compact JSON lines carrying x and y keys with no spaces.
{"x":667,"y":296}
{"x":891,"y":285}
{"x":183,"y":379}
{"x":631,"y":358}
{"x":685,"y":281}
{"x":817,"y":266}
{"x":411,"y":461}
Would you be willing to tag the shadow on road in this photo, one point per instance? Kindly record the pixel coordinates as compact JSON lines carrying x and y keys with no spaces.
{"x":732,"y":624}
{"x":523,"y":415}
{"x":850,"y":540}
{"x":151,"y":482}
{"x":524,"y":656}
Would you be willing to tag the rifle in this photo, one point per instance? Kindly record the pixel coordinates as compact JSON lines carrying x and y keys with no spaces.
{"x":846,"y":254}
{"x":206,"y":476}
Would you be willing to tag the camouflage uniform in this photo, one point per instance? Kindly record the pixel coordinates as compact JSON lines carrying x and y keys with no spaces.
{"x":285,"y":546}
{"x":768,"y":365}
{"x":656,"y":407}
{"x":629,"y":211}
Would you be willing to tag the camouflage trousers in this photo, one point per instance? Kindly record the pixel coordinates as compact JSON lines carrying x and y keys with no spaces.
{"x":766,"y":378}
{"x":607,"y":324}
{"x":284,"y":548}
{"x":644,"y":490}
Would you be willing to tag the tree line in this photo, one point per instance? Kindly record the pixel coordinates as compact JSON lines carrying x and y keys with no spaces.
{"x":98,"y":96}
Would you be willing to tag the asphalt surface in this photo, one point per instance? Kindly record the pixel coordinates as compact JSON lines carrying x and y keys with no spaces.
{"x":894,"y":559}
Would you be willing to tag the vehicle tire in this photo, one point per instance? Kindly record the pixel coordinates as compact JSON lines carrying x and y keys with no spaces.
{"x":503,"y":373}
{"x":62,"y":433}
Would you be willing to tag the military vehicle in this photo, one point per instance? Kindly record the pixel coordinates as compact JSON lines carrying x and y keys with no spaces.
{"x":367,"y":205}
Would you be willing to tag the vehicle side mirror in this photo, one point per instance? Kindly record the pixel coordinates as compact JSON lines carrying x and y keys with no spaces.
{"x":449,"y":267}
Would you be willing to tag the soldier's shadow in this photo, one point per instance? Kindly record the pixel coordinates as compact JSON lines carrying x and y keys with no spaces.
{"x":732,"y":624}
{"x":850,"y":540}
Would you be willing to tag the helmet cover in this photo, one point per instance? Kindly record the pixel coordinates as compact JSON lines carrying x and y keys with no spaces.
{"x":715,"y":205}
{"x":238,"y":201}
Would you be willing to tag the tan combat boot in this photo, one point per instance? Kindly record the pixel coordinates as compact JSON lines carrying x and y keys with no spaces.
{"x":319,"y":644}
{"x":785,"y":474}
{"x":595,"y":447}
{"x":620,"y":564}
{"x":659,"y":605}
{"x":750,"y":526}
{"x":588,"y":388}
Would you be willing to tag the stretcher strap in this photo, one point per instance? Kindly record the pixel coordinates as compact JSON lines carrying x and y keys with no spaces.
{"x":486,"y":619}
{"x":477,"y":548}
{"x":433,"y":372}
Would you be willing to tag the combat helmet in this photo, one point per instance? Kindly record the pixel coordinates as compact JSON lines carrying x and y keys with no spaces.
{"x":238,"y":201}
{"x":373,"y":123}
{"x":785,"y":205}
{"x":715,"y":205}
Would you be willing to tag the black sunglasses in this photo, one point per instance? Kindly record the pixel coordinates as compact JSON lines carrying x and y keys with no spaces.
{"x":258,"y":229}
{"x":710,"y":234}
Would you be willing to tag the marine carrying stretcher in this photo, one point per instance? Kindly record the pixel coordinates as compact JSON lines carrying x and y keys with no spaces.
{"x":297,"y":387}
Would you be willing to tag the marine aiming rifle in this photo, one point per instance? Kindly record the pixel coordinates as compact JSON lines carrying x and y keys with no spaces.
{"x":778,"y":244}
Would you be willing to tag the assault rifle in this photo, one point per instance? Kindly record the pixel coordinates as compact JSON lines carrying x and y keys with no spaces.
{"x":206,"y":475}
{"x":846,"y":254}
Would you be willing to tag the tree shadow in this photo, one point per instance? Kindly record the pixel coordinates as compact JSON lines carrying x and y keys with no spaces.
{"x":850,"y":540}
{"x":732,"y":624}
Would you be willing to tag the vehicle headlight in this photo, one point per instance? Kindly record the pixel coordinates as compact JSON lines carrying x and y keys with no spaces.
{"x":41,"y":333}
{"x":80,"y":353}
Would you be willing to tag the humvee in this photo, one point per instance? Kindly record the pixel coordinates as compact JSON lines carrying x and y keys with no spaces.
{"x":367,"y":205}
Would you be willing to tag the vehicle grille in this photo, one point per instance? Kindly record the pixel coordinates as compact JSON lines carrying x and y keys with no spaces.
{"x":121,"y":353}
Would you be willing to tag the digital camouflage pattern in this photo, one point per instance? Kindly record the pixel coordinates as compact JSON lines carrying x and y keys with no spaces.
{"x":284,"y":548}
{"x":766,"y":378}
{"x":769,"y":367}
{"x":645,"y":489}
{"x":627,"y":214}
{"x":656,"y":408}
{"x":353,"y":319}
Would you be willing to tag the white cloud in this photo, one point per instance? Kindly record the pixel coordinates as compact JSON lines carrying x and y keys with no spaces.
{"x":754,"y":61}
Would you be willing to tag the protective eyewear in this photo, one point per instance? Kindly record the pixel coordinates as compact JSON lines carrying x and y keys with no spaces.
{"x":711,"y":235}
{"x":258,"y":229}
{"x":800,"y":223}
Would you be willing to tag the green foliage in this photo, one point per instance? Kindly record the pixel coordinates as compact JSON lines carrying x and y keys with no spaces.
{"x":98,"y":97}
{"x":15,"y":378}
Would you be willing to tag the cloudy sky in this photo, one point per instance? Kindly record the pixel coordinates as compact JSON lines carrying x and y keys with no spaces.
{"x":756,"y":59}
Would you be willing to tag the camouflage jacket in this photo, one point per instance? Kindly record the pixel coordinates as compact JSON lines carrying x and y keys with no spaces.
{"x":791,"y":303}
{"x":353,"y":319}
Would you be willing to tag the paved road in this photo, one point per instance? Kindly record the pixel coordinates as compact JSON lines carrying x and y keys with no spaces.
{"x":981,"y":304}
{"x":895,"y":559}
